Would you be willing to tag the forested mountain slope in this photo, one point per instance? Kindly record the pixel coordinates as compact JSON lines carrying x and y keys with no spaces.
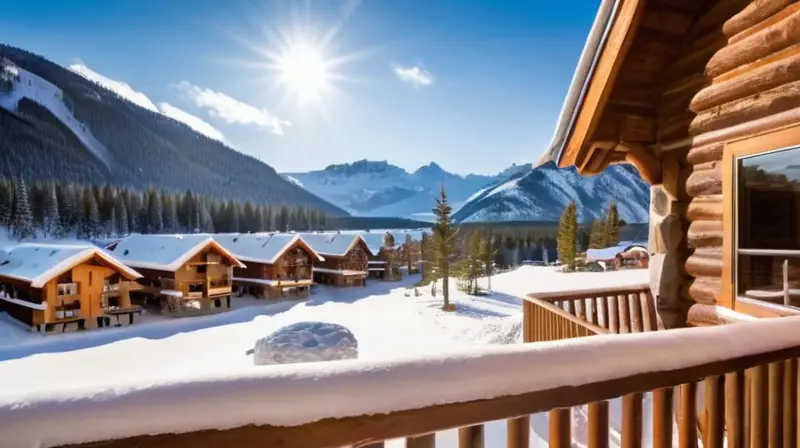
{"x":146,"y":147}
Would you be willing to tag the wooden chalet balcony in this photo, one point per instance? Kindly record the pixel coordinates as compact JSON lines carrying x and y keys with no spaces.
{"x":218,"y":286}
{"x":721,"y":385}
{"x":68,"y":291}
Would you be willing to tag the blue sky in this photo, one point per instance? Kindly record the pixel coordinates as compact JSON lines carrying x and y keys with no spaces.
{"x":472,"y":85}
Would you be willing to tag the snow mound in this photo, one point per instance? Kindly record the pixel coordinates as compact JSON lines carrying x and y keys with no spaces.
{"x":306,"y":342}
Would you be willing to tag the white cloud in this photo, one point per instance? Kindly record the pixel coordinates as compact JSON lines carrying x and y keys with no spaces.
{"x":119,"y":87}
{"x":415,"y":75}
{"x":232,"y":110}
{"x":193,"y":121}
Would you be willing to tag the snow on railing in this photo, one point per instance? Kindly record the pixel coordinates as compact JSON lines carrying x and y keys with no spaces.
{"x":362,"y":401}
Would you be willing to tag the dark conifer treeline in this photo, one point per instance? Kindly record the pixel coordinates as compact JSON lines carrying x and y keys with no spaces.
{"x":61,"y":209}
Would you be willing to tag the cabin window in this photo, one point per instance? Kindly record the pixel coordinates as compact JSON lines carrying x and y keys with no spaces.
{"x":767,"y":214}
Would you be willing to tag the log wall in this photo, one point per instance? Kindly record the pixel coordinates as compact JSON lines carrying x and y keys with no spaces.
{"x":751,"y":84}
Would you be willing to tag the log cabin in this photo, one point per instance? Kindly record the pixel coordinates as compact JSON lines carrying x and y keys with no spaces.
{"x":378,"y":257}
{"x":700,"y":95}
{"x":346,"y":258}
{"x":277,"y":263}
{"x":46,"y":285}
{"x":183,"y":272}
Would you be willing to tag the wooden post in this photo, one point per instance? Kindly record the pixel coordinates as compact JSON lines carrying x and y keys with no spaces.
{"x":598,"y":425}
{"x":632,"y":421}
{"x":662,"y":418}
{"x":471,"y":437}
{"x":519,"y":432}
{"x":560,"y":428}
{"x":687,"y":422}
{"x":715,"y":412}
{"x":426,"y":441}
{"x":734,"y":410}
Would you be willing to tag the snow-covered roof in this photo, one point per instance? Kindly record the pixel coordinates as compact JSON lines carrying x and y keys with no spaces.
{"x":166,"y":252}
{"x":607,"y":253}
{"x":331,"y":244}
{"x":39,"y":263}
{"x":595,"y":43}
{"x":260,"y":247}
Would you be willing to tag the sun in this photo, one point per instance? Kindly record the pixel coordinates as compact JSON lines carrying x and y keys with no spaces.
{"x":303,"y":70}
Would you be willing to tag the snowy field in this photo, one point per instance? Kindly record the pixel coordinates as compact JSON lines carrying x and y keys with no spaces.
{"x":386,"y":318}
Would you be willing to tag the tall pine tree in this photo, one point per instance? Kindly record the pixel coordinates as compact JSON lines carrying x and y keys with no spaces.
{"x":21,"y":216}
{"x":443,"y":245}
{"x":612,"y":225}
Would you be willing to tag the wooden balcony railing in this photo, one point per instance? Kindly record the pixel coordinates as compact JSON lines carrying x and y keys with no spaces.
{"x":748,"y":373}
{"x":618,"y":310}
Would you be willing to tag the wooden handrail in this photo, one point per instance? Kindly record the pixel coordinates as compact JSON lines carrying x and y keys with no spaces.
{"x":334,"y":404}
{"x":626,"y":309}
{"x":701,"y":315}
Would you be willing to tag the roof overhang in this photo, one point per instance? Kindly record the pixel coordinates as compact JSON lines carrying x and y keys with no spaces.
{"x":610,"y":38}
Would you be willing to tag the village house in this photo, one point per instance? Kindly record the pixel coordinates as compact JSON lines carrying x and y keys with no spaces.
{"x":345,"y":256}
{"x":277,"y":263}
{"x":379,"y":256}
{"x":44,"y":285}
{"x":182,"y":271}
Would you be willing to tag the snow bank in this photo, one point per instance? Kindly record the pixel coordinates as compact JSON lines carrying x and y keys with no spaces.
{"x":309,"y":392}
{"x":306,"y":342}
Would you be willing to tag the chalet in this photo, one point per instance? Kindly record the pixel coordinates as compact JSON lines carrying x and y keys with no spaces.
{"x":277,"y":263}
{"x":43,"y":285}
{"x":346,"y":258}
{"x":182,"y":271}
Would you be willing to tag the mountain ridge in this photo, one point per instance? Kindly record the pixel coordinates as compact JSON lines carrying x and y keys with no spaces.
{"x":146,"y":147}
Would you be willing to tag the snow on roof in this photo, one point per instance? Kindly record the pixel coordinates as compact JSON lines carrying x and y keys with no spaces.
{"x":259,"y":247}
{"x":310,"y":392}
{"x":331,"y":244}
{"x":165,"y":252}
{"x":38,"y":263}
{"x":608,"y":253}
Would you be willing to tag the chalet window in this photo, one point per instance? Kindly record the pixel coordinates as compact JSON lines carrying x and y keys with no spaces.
{"x":767,"y":226}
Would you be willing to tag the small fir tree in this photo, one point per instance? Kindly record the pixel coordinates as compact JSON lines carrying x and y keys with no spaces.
{"x":612,"y":225}
{"x":567,"y":236}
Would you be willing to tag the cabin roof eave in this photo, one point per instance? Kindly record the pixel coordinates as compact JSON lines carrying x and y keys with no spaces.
{"x":581,"y":79}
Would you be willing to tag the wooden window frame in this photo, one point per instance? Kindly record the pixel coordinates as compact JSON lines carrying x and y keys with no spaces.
{"x":774,"y":140}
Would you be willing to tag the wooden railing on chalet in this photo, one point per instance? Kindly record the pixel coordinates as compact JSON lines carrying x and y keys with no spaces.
{"x":748,"y":373}
{"x":567,"y":314}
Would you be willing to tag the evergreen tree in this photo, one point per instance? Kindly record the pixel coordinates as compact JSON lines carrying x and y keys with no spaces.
{"x":567,"y":236}
{"x":408,"y":246}
{"x":21,"y":216}
{"x":486,"y":255}
{"x":206,"y":223}
{"x":90,"y":215}
{"x":233,"y":210}
{"x":155,"y":213}
{"x":122,"y":216}
{"x":388,"y":250}
{"x":171,"y":222}
{"x":597,"y":236}
{"x":50,"y":221}
{"x":612,"y":225}
{"x":443,"y":245}
{"x":111,"y":227}
{"x":6,"y":202}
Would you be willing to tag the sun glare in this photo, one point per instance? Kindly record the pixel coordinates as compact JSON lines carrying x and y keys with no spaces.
{"x":303,"y":70}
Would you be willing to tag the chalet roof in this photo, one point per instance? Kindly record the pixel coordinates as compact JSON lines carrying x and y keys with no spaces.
{"x":166,"y":252}
{"x":260,"y":247}
{"x":39,"y":263}
{"x":635,"y":55}
{"x":580,"y":80}
{"x":331,"y":244}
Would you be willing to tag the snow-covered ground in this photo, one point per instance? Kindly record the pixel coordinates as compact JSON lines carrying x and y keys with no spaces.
{"x":387,"y":319}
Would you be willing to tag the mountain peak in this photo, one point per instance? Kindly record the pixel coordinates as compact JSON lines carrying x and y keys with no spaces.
{"x":362,"y":166}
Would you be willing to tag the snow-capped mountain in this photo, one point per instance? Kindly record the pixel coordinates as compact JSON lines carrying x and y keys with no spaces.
{"x":378,"y":188}
{"x":542,"y":193}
